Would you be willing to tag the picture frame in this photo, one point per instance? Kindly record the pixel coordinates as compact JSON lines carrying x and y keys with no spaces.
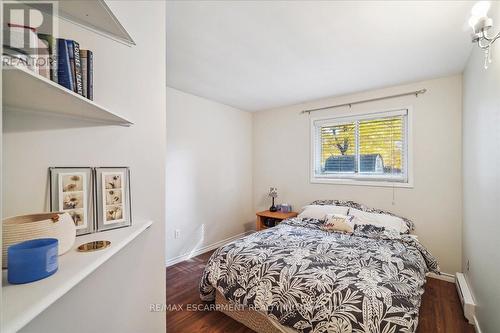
{"x":72,"y":191}
{"x":113,"y":202}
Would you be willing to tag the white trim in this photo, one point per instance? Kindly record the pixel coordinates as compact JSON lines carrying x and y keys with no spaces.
{"x":197,"y":251}
{"x":354,"y":182}
{"x":344,"y":116}
{"x":409,"y":142}
{"x":476,"y":325}
{"x":443,"y":277}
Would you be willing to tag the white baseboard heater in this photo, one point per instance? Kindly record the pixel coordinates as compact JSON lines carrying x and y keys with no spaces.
{"x":465,"y":297}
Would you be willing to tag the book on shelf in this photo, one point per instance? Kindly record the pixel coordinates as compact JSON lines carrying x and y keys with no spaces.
{"x":71,"y":55}
{"x":51,"y":43}
{"x":83,"y":59}
{"x":87,"y":59}
{"x":64,"y":71}
{"x":43,"y":59}
{"x":78,"y":68}
{"x":75,"y":64}
{"x":90,"y":75}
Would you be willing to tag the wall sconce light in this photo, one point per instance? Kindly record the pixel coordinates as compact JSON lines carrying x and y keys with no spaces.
{"x":480,"y":24}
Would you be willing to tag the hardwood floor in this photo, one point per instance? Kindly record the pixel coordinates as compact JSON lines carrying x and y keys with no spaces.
{"x":440,"y":312}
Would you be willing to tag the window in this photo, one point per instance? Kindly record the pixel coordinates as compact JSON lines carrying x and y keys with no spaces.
{"x":371,"y":148}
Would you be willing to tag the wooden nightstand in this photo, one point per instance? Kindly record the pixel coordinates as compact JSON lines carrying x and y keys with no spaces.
{"x":279,"y":216}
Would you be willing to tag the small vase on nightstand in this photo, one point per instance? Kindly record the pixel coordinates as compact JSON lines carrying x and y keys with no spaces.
{"x":273,"y":208}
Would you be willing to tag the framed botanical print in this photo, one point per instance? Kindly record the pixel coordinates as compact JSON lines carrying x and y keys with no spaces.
{"x":71,"y":191}
{"x":112,"y":198}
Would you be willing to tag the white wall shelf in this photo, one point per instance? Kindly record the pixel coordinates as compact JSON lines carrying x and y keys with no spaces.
{"x":23,"y":302}
{"x":24,"y":90}
{"x":96,"y":16}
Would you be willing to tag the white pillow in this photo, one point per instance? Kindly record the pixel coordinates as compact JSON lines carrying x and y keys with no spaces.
{"x":379,"y":220}
{"x":320,"y":211}
{"x":339,"y":223}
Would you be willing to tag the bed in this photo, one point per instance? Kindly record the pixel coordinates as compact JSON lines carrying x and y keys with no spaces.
{"x":296,"y":277}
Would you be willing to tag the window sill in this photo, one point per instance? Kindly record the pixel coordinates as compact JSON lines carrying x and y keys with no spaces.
{"x":353,"y":182}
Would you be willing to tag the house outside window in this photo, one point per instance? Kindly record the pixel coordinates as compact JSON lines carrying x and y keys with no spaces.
{"x":362,"y":149}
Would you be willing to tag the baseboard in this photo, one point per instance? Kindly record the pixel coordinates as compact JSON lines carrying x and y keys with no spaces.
{"x":442,"y":276}
{"x":206,"y":248}
{"x":476,"y":325}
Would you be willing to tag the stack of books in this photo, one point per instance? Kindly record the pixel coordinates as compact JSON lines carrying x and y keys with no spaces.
{"x":75,"y":67}
{"x":60,"y":60}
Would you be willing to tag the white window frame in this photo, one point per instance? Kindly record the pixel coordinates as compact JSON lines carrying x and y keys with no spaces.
{"x":350,"y":117}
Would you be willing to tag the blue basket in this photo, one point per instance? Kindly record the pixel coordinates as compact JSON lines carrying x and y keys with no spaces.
{"x":32,"y":260}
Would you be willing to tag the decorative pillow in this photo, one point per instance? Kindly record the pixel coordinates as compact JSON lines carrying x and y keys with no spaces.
{"x":339,"y":223}
{"x":380,"y":220}
{"x":319,"y":212}
{"x":351,"y":204}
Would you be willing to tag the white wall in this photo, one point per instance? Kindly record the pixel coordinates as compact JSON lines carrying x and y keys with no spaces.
{"x":282,"y":159}
{"x":129,"y":81}
{"x":209,"y":172}
{"x":481,"y":161}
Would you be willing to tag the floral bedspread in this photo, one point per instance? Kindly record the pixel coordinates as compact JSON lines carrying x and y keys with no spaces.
{"x":317,"y":281}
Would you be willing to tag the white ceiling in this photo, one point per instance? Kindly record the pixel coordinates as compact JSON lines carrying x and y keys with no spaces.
{"x":256,"y":55}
